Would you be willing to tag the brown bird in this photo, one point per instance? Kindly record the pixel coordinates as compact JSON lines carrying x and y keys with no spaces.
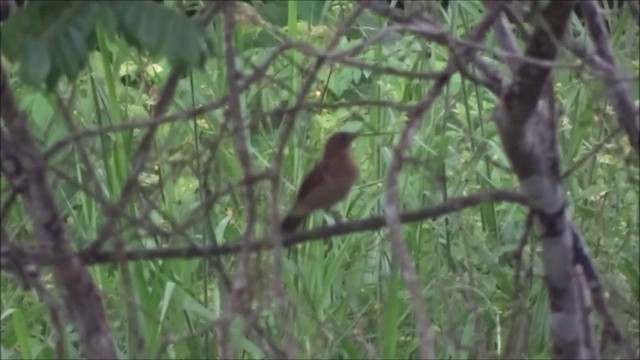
{"x":328,"y":182}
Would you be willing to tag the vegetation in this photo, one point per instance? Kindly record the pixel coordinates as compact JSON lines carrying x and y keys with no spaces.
{"x":91,"y":101}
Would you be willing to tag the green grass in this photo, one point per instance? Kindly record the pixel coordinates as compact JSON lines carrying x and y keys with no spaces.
{"x":349,"y":293}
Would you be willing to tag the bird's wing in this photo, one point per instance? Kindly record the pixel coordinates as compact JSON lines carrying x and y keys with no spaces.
{"x":312,"y":181}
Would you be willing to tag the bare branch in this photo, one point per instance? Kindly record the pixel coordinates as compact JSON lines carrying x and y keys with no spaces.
{"x":392,"y":212}
{"x":450,"y":206}
{"x":527,"y":122}
{"x":24,"y":165}
{"x":628,"y":115}
{"x":241,"y":281}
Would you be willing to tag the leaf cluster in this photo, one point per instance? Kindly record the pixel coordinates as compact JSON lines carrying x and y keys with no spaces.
{"x":51,"y":39}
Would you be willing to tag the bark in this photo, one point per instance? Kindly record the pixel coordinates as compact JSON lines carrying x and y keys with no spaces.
{"x":527,"y":121}
{"x":617,"y":90}
{"x":24,"y":165}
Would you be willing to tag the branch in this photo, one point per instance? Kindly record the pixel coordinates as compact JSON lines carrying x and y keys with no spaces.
{"x":399,"y":246}
{"x":627,"y":112}
{"x":24,"y":165}
{"x":374,"y":223}
{"x":527,"y":120}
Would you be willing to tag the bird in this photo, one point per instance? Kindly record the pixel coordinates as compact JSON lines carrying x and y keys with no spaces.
{"x":327,"y":184}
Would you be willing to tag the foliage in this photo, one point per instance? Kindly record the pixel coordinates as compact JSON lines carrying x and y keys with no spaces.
{"x":54,"y":38}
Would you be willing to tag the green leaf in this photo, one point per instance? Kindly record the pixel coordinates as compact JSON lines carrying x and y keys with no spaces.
{"x":391,"y":317}
{"x":20,"y":328}
{"x":61,"y":34}
{"x":14,"y":31}
{"x":36,"y":62}
{"x":162,"y":31}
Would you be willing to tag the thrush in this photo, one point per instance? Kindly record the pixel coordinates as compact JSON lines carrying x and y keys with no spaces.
{"x":328,"y":183}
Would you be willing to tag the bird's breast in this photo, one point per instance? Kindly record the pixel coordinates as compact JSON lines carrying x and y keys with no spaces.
{"x":341,"y":175}
{"x":338,"y":176}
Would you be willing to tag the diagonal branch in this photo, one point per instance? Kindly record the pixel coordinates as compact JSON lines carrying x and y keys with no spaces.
{"x":627,"y":112}
{"x":392,"y":207}
{"x":527,"y":120}
{"x":24,"y":165}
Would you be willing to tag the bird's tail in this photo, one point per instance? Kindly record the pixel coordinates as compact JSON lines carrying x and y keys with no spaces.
{"x":291,"y":223}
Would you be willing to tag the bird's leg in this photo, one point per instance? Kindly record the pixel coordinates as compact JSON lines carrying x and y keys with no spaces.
{"x":337,"y":218}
